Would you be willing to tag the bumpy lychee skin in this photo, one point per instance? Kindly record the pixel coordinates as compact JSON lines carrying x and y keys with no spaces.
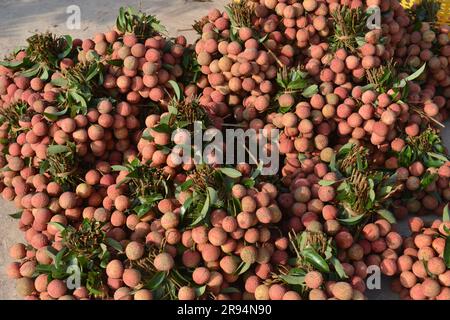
{"x":24,"y":286}
{"x":164,"y":262}
{"x":56,"y":288}
{"x":134,"y":250}
{"x":114,"y":269}
{"x":313,"y":279}
{"x":186,"y":293}
{"x":342,"y":291}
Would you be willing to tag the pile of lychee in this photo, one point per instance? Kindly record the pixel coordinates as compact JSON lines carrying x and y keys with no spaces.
{"x":94,"y":135}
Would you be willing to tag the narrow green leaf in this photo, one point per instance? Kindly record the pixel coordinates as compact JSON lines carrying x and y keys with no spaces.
{"x":447,"y":252}
{"x":446,"y":214}
{"x":230,"y":172}
{"x":199,"y":291}
{"x":310,"y":91}
{"x":326,"y":182}
{"x":244,"y":268}
{"x":186,"y":185}
{"x":115,"y":62}
{"x":16,"y":215}
{"x":119,"y":168}
{"x":230,"y":290}
{"x":60,"y":82}
{"x":293,"y":279}
{"x":172,"y":109}
{"x":248,"y":183}
{"x":315,"y":259}
{"x":34,"y":70}
{"x":12,"y":64}
{"x":402,"y":83}
{"x":58,"y":226}
{"x":176,"y":89}
{"x":438,"y":156}
{"x":338,"y":267}
{"x":157,"y":279}
{"x":57,"y":149}
{"x":59,"y":256}
{"x":203,"y":212}
{"x":114,"y":244}
{"x":69,"y":47}
{"x":185,"y":207}
{"x":386,"y":214}
{"x":162,"y":128}
{"x":352,"y":221}
{"x":142,"y":210}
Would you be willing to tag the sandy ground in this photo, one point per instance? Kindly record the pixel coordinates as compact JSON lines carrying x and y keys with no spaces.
{"x":19,"y":19}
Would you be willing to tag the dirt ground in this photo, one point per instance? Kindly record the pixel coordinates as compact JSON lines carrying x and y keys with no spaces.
{"x":19,"y":19}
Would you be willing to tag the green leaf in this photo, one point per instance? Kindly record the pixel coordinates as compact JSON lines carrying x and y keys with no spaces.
{"x":69,"y":47}
{"x":243,"y":268}
{"x":121,"y":20}
{"x":114,"y":244}
{"x":16,"y":215}
{"x":13,"y":64}
{"x":172,"y":109}
{"x":346,"y":148}
{"x":57,"y":149}
{"x":372,"y":195}
{"x":142,"y":209}
{"x":51,"y":252}
{"x":119,"y":168}
{"x":446,"y":214}
{"x":447,"y":230}
{"x":411,"y":77}
{"x":60,"y":82}
{"x":59,"y":256}
{"x":248,"y":183}
{"x":186,"y":185}
{"x":438,"y":156}
{"x":176,"y":89}
{"x":93,"y":72}
{"x":151,"y":199}
{"x":58,"y":226}
{"x":44,"y":166}
{"x":427,"y":179}
{"x":263,"y":39}
{"x":45,"y":74}
{"x":199,"y":291}
{"x":326,"y":182}
{"x":310,"y":91}
{"x":212,"y":194}
{"x":284,"y":109}
{"x":367,"y":87}
{"x":185,"y":207}
{"x":333,"y":166}
{"x":203,"y":212}
{"x":447,"y":252}
{"x":54,"y":116}
{"x":162,"y":128}
{"x":44,"y":268}
{"x":352,"y":221}
{"x":157,"y":279}
{"x":386,"y":214}
{"x":115,"y":62}
{"x":34,"y":70}
{"x":293,"y":279}
{"x":338,"y":267}
{"x":315,"y":259}
{"x":79,"y":98}
{"x":230,"y":172}
{"x":230,"y":290}
{"x":360,"y":41}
